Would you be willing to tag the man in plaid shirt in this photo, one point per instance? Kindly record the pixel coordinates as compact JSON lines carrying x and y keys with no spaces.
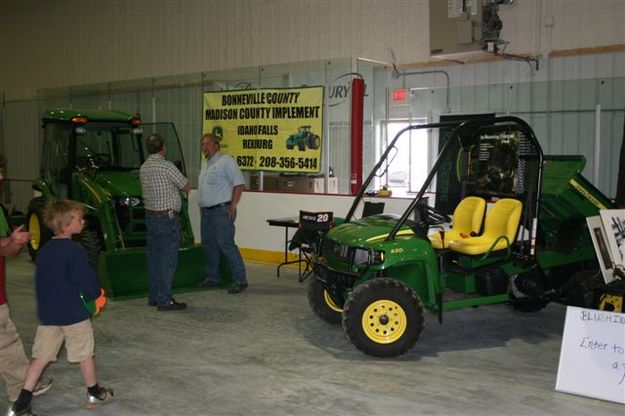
{"x":161,"y":183}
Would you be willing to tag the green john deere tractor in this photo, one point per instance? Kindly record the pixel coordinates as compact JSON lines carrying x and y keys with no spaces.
{"x":303,"y":139}
{"x":377,"y":275}
{"x":94,"y":157}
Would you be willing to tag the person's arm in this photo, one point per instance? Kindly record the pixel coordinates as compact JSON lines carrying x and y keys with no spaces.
{"x":10,"y":246}
{"x":181,"y":181}
{"x":236,"y":197}
{"x":237,"y":181}
{"x":187,"y":187}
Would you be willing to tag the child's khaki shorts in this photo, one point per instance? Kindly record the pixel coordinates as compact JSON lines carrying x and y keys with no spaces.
{"x":78,"y":338}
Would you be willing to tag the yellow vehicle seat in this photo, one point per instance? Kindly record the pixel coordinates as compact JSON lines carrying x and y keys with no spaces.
{"x":501,"y":226}
{"x":467,"y":221}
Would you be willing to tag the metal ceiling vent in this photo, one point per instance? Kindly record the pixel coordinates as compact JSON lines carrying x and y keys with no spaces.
{"x":463,"y":29}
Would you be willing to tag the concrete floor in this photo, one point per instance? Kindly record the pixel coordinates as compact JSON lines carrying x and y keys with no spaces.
{"x":263,"y":352}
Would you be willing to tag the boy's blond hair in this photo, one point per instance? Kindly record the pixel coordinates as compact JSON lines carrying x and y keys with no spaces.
{"x":60,"y":213}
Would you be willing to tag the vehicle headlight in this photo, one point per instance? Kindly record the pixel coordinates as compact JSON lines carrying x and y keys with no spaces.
{"x":377,"y":257}
{"x":129,"y":201}
{"x":366,"y":256}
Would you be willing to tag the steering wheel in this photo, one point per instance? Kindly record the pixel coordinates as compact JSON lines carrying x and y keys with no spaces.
{"x":101,"y":159}
{"x":431,"y":216}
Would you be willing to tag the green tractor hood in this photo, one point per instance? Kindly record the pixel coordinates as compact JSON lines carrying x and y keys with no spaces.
{"x":367,"y":231}
{"x":119,"y":183}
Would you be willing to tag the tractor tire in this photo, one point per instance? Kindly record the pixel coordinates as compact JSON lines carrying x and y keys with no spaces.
{"x":383,"y":317}
{"x":521,"y":302}
{"x":92,"y":243}
{"x":39,"y":233}
{"x":322,"y":304}
{"x":313,"y":141}
{"x":301,"y":144}
{"x":527,"y":305}
{"x":582,"y":288}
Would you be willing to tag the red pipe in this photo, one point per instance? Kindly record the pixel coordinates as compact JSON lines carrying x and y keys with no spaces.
{"x":358,"y":101}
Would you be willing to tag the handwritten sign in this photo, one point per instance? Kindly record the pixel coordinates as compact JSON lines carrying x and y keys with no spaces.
{"x":592,"y":356}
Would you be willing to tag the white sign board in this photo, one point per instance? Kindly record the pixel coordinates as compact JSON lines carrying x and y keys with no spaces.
{"x":599,"y":240}
{"x":592,"y":356}
{"x":614,"y":226}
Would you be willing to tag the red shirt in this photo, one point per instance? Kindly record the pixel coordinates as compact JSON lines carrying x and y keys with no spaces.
{"x":3,"y":294}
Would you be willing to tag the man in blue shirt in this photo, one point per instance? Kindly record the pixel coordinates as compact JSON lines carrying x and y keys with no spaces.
{"x":219,"y":191}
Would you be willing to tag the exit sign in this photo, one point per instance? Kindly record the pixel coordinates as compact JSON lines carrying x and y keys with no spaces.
{"x":400,"y":94}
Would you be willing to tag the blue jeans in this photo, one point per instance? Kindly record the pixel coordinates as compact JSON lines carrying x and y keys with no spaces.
{"x":163,"y":242}
{"x":217,"y":231}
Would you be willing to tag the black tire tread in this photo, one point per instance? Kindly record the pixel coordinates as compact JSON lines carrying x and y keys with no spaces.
{"x":319,"y":305}
{"x":366,"y":293}
{"x":91,"y":242}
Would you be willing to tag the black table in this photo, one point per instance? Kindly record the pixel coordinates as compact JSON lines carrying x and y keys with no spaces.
{"x":288,"y":222}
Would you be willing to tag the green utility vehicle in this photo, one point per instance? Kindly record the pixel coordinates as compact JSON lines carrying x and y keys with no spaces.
{"x":302,"y":139}
{"x":377,"y":274}
{"x":94,"y":157}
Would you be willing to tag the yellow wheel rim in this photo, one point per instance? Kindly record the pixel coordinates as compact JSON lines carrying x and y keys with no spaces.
{"x":384,"y":321}
{"x":35,"y":231}
{"x":330,"y":302}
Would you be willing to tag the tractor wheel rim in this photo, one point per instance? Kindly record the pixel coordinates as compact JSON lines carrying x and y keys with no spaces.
{"x":384,"y":321}
{"x":35,"y":231}
{"x":331,"y":304}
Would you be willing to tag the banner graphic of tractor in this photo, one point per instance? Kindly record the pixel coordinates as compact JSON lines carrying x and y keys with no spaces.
{"x":303,"y":139}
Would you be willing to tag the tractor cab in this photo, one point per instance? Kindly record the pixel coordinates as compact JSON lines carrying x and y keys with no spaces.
{"x":94,"y":156}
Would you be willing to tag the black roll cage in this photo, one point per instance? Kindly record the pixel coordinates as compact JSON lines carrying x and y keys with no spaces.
{"x":467,"y":133}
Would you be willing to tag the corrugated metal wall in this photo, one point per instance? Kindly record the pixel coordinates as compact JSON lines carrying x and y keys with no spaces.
{"x":22,"y":152}
{"x":179,"y":100}
{"x":560,"y":101}
{"x":562,"y":111}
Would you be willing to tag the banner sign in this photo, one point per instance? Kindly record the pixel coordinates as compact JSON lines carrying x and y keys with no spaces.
{"x":268,"y":129}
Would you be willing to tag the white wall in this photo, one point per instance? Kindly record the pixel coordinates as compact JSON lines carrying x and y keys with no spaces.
{"x":53,"y":43}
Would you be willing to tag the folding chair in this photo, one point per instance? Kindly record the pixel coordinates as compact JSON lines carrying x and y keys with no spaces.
{"x":308,"y":237}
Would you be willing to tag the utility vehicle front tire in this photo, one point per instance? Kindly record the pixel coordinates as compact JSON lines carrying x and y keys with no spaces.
{"x":383,"y":317}
{"x":39,"y":233}
{"x":322,"y":303}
